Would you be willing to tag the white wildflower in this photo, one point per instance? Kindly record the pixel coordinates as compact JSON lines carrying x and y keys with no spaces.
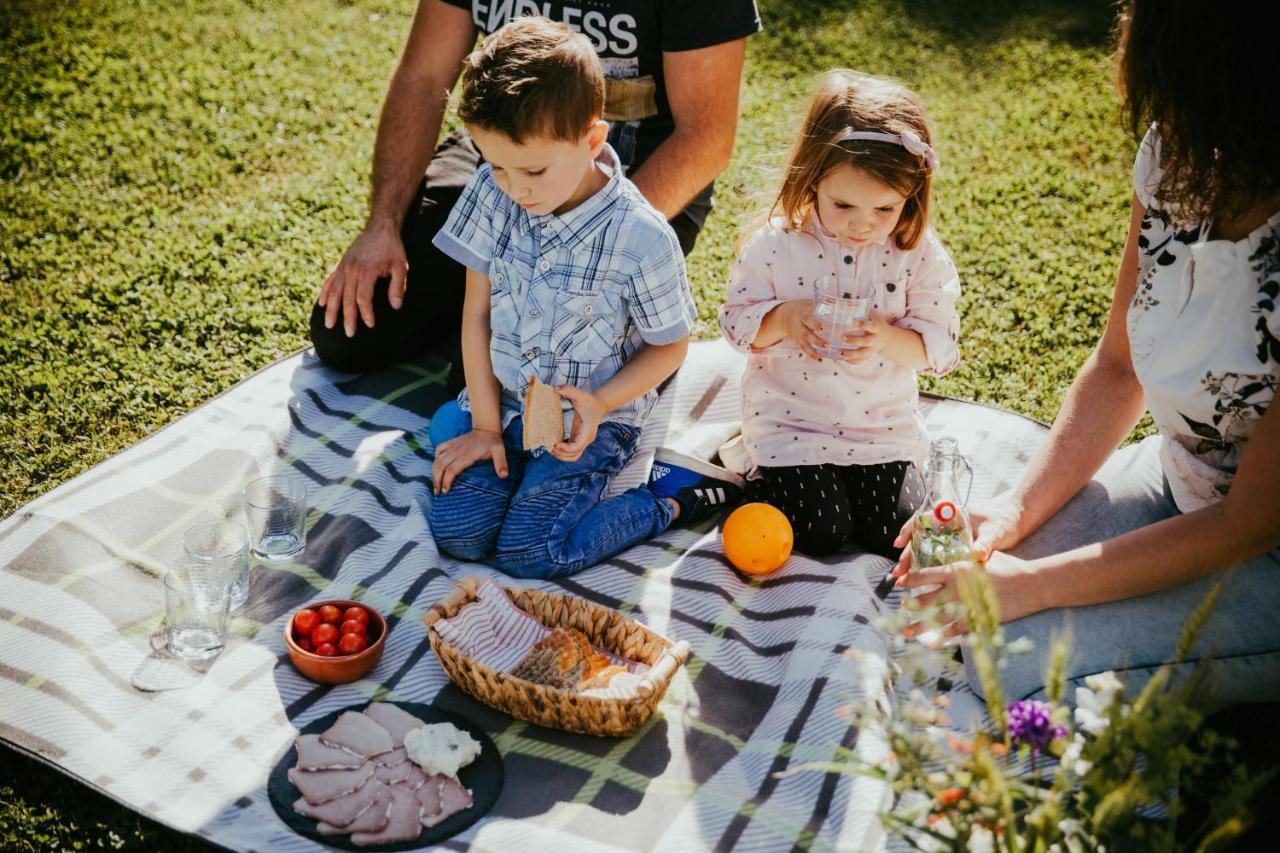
{"x":982,"y":841}
{"x":1105,"y":687}
{"x":1090,"y":713}
{"x":1021,"y":646}
{"x":1071,"y":756}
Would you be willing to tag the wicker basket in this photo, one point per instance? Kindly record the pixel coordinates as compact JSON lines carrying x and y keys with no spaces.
{"x":549,"y":706}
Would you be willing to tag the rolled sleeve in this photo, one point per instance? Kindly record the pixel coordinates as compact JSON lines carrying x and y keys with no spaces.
{"x":931,"y":309}
{"x":750,"y":295}
{"x":469,"y":235}
{"x":659,"y":295}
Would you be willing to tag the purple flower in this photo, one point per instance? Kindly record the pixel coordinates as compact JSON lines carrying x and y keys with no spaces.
{"x":1029,"y":724}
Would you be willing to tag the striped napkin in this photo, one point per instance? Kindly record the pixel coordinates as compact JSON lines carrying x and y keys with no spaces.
{"x":494,"y":632}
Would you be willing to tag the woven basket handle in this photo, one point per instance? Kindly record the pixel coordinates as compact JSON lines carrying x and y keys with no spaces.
{"x":463,"y":591}
{"x":660,"y":673}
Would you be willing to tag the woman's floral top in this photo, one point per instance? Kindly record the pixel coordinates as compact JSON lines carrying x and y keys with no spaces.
{"x":1204,"y":334}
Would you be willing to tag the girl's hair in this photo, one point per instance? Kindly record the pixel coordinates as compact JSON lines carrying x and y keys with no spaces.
{"x":849,"y":100}
{"x":1203,"y":75}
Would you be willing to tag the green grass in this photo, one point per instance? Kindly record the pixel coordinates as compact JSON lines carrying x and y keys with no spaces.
{"x":176,"y":178}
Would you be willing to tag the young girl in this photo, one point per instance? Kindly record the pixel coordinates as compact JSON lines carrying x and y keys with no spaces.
{"x":833,"y":438}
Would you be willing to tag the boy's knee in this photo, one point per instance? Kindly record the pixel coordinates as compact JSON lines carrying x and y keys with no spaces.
{"x":459,"y":529}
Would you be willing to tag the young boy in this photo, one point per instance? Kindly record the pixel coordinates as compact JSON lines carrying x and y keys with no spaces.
{"x":572,"y":279}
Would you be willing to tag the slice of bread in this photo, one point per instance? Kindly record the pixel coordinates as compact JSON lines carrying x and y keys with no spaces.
{"x":543,"y":417}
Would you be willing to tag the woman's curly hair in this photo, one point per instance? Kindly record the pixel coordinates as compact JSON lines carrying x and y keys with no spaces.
{"x":1204,"y":74}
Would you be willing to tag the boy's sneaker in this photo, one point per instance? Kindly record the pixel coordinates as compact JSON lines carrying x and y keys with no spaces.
{"x":701,"y":489}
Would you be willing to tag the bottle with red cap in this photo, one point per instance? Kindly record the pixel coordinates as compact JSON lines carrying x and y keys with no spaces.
{"x":941,"y":532}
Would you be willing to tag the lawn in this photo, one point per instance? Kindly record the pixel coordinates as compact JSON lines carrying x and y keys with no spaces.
{"x":176,"y":178}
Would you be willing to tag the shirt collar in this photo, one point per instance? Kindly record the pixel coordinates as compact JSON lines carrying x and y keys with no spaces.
{"x":577,"y":226}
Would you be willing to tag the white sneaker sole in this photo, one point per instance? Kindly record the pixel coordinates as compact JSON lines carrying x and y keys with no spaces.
{"x":700,"y":466}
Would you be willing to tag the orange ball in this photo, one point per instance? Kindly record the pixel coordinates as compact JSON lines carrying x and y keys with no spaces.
{"x":757,"y":538}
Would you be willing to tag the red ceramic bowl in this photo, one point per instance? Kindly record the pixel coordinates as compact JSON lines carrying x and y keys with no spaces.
{"x":340,"y":668}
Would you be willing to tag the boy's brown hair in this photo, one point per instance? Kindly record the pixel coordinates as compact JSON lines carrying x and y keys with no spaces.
{"x":849,"y":100}
{"x":533,"y":78}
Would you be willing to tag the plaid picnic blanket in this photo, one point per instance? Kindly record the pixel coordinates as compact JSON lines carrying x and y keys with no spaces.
{"x":85,"y":683}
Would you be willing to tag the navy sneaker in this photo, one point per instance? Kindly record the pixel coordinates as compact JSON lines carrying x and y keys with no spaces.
{"x":701,"y":489}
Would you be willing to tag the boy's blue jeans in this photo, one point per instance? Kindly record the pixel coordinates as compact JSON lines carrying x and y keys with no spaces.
{"x":546,"y":519}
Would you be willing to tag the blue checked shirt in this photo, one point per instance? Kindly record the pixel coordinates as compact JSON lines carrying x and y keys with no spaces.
{"x":572,"y":298}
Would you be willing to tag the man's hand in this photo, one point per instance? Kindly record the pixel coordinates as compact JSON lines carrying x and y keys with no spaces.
{"x":587,"y":412}
{"x":348,"y":290}
{"x":458,"y":454}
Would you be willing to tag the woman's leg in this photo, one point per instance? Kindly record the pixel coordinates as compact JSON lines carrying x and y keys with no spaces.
{"x":1135,"y":636}
{"x":556,"y":523}
{"x":813,"y":499}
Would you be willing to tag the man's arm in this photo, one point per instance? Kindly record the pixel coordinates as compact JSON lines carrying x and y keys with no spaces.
{"x":702,"y":86}
{"x":413,"y":110}
{"x":412,"y":114}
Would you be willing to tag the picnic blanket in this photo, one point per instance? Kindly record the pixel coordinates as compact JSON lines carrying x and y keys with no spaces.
{"x":86,"y":685}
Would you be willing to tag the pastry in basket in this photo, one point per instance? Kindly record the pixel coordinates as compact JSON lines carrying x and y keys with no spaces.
{"x":565,"y":659}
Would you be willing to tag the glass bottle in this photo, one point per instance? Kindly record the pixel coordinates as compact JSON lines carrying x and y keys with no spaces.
{"x":941,"y":532}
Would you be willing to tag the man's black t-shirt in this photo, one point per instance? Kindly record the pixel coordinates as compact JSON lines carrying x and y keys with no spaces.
{"x":630,"y":37}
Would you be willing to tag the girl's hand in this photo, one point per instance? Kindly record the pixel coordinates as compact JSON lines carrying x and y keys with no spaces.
{"x":801,"y":328}
{"x":1012,"y":580}
{"x":587,"y":412}
{"x":458,"y":454}
{"x":872,"y":341}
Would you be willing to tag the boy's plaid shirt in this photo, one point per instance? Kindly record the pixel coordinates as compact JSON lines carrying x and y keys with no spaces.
{"x":572,"y":297}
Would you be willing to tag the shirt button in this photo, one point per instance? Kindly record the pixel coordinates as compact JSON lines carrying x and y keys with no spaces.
{"x":528,"y":355}
{"x":544,"y":266}
{"x":533,"y":312}
{"x":498,"y":278}
{"x":587,"y":309}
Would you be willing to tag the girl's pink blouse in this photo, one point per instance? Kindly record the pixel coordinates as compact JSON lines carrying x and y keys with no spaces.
{"x":798,"y":411}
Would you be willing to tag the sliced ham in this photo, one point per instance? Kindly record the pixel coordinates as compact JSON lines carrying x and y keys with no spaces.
{"x":402,"y":821}
{"x":392,"y":758}
{"x":357,"y":733}
{"x":414,"y":779}
{"x":315,"y":754}
{"x":389,"y":775}
{"x":342,"y":810}
{"x":442,"y":798}
{"x":373,"y":819}
{"x":321,"y":786}
{"x":396,"y":721}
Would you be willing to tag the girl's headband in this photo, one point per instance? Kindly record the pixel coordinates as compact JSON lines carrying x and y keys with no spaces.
{"x":907,"y":139}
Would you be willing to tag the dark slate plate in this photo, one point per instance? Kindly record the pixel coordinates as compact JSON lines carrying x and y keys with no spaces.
{"x":482,"y":776}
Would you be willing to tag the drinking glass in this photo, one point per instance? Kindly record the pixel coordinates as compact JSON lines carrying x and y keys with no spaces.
{"x":217,"y":554}
{"x":276,"y":507}
{"x":837,"y":305}
{"x":195,"y":612}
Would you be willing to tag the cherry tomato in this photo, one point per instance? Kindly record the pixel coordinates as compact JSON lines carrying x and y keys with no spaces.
{"x":331,"y":614}
{"x":352,"y":643}
{"x":945,"y":511}
{"x":305,"y":621}
{"x":357,"y":613}
{"x":326,"y":650}
{"x":352,"y":626}
{"x":303,"y":643}
{"x":324,"y":633}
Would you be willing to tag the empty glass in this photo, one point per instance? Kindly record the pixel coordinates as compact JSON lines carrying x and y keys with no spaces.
{"x":837,"y":305}
{"x":217,"y":554}
{"x":276,"y":508}
{"x":195,"y":614}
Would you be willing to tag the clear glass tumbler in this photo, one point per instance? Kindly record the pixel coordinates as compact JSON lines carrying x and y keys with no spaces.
{"x":276,"y":508}
{"x":195,"y":615}
{"x":837,"y":305}
{"x":217,"y":553}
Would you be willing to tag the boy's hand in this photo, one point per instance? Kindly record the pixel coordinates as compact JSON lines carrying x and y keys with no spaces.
{"x":458,"y":454}
{"x":800,"y":327}
{"x":348,"y":290}
{"x":587,"y":412}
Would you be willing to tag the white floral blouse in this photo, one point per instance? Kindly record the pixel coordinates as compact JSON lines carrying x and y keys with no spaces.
{"x":1204,"y":334}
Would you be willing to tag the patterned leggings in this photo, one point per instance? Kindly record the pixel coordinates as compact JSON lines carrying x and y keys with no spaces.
{"x":830,"y":506}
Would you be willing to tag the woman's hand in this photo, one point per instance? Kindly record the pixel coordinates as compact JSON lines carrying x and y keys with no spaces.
{"x":458,"y":454}
{"x":587,"y":412}
{"x":995,"y":525}
{"x":1012,"y":579}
